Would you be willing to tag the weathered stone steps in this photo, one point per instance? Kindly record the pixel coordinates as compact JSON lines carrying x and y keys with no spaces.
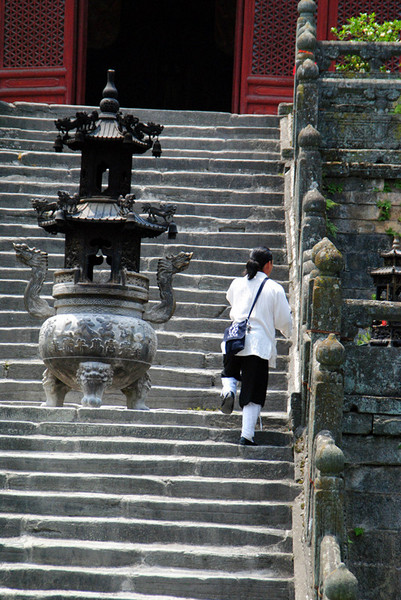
{"x":207,"y":585}
{"x":73,"y":504}
{"x":15,"y":594}
{"x":184,"y":209}
{"x":226,"y":205}
{"x":175,"y":487}
{"x":160,"y":375}
{"x":53,"y":111}
{"x":44,"y":551}
{"x":17,"y":192}
{"x":119,"y":502}
{"x":179,"y":358}
{"x":18,"y":162}
{"x":28,"y":141}
{"x":25,"y":176}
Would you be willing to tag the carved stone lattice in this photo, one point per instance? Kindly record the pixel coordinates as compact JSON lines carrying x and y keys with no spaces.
{"x":33,"y":33}
{"x":274,"y":37}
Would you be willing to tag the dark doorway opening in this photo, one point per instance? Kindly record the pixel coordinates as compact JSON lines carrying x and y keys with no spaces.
{"x":169,"y":54}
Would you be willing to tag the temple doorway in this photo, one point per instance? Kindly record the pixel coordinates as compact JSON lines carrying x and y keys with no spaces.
{"x":167,"y":54}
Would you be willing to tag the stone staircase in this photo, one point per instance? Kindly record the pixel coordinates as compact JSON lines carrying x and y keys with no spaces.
{"x":133,"y":505}
{"x":163,"y":504}
{"x":224,"y":174}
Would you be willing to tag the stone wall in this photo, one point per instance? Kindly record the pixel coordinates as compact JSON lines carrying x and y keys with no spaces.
{"x":361,"y":226}
{"x":343,"y":143}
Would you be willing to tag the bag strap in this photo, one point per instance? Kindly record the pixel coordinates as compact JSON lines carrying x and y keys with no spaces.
{"x":257,"y":295}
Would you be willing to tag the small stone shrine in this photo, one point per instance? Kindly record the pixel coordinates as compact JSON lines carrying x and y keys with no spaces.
{"x":97,"y":336}
{"x":387,"y":280}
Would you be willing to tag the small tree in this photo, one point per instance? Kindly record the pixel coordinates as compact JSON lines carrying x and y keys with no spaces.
{"x":364,"y":28}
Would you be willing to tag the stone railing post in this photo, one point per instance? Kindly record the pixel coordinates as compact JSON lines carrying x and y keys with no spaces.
{"x":308,"y":176}
{"x":306,"y":72}
{"x":331,"y":579}
{"x":321,"y":317}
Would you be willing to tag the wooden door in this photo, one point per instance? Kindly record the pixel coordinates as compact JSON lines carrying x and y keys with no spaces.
{"x":42,"y":50}
{"x":264,"y":62}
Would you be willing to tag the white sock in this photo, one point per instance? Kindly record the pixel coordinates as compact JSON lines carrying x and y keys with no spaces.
{"x":250,"y":414}
{"x":229,"y":385}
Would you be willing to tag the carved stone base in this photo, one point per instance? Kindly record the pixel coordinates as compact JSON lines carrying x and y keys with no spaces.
{"x":93,"y":378}
{"x":137,"y":392}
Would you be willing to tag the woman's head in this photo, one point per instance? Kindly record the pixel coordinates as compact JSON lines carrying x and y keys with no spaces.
{"x":258,"y":258}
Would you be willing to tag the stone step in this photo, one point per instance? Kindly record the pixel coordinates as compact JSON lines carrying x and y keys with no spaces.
{"x":177,"y":398}
{"x":26,"y":438}
{"x":197,"y":276}
{"x":202,"y":584}
{"x":42,"y":416}
{"x":172,"y":486}
{"x":49,"y":112}
{"x":157,"y":465}
{"x":185,"y":224}
{"x":7,"y":593}
{"x":106,"y":506}
{"x":203,"y":212}
{"x":107,"y":445}
{"x":160,"y":375}
{"x":19,"y":206}
{"x":20,"y":161}
{"x":110,"y":554}
{"x":23,"y":176}
{"x":22,"y":140}
{"x":166,"y":339}
{"x":187,"y":195}
{"x":190,"y":431}
{"x":179,"y":128}
{"x":226,"y":254}
{"x":143,"y":531}
{"x":164,"y":357}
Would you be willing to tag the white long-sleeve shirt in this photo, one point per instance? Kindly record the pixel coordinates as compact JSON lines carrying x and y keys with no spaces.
{"x":271,"y":312}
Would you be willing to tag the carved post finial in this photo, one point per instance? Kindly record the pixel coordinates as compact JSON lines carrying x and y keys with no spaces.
{"x":327,"y":258}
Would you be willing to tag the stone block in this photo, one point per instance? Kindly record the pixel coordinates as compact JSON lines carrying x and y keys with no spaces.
{"x":371,"y":511}
{"x":355,"y":423}
{"x":372,"y":404}
{"x":372,"y":370}
{"x":368,"y":547}
{"x":373,"y":478}
{"x":376,"y":582}
{"x":371,"y":450}
{"x":385,"y":425}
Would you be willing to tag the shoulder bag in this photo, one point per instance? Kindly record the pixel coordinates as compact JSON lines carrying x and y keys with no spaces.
{"x":234,"y":335}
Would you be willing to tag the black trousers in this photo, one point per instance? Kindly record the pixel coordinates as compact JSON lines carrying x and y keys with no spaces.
{"x":253,"y":372}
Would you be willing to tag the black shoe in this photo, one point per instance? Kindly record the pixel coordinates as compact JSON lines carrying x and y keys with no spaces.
{"x":227,"y":404}
{"x":245,"y":442}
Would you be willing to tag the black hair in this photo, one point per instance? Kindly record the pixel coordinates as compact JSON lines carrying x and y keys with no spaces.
{"x":257,"y":260}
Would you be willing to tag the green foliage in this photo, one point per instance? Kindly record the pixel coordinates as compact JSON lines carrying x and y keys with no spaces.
{"x":331,"y":228}
{"x":330,"y":203}
{"x":364,"y":336}
{"x":359,"y":531}
{"x":392,"y":232}
{"x":384,"y":207}
{"x":333,"y":188}
{"x":364,"y":28}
